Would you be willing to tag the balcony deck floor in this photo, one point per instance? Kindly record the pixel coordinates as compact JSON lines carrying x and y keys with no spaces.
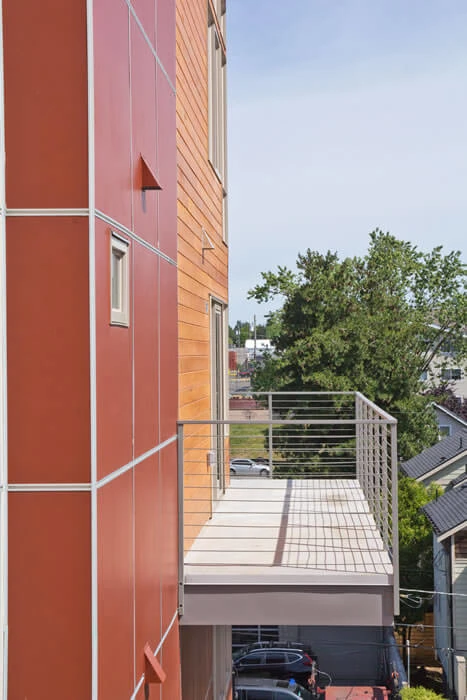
{"x":296,"y":531}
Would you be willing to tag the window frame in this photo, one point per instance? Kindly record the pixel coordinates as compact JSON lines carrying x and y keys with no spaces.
{"x":451,"y":374}
{"x":120,"y":249}
{"x":217,"y":99}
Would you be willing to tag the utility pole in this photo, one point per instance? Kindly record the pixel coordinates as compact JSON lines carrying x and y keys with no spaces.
{"x":254,"y":336}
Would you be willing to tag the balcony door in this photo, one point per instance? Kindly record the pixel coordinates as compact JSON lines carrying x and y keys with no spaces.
{"x":218,"y":394}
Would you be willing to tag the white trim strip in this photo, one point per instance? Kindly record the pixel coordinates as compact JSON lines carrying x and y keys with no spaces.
{"x":47,"y":212}
{"x":28,"y":488}
{"x":70,"y":487}
{"x":159,"y":646}
{"x":114,"y":475}
{"x":452,"y":531}
{"x":121,"y":227}
{"x":153,"y":50}
{"x":458,"y":457}
{"x":92,"y":348}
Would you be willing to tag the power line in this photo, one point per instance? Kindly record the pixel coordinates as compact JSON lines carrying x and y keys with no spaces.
{"x":433,"y":593}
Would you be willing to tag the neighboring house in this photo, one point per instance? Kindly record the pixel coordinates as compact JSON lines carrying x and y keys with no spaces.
{"x":440,"y":463}
{"x":446,"y":368}
{"x":448,"y":422}
{"x":448,"y":517}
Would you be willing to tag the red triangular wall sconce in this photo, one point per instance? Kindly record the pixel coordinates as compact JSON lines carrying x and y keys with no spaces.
{"x":153,"y":671}
{"x":148,"y":179}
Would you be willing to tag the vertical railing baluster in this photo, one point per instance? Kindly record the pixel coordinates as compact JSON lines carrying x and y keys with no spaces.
{"x":181,"y":519}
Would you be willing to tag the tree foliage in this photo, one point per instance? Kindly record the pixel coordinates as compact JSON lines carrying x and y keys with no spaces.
{"x":415,"y":544}
{"x":371,"y":324}
{"x":419,"y":693}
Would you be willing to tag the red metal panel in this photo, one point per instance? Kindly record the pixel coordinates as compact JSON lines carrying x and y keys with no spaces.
{"x":45,"y":103}
{"x":49,"y":595}
{"x":169,"y":658}
{"x":165,"y":12}
{"x":144,"y":126}
{"x":48,"y":349}
{"x":115,"y":588}
{"x":168,"y":350}
{"x":149,"y":536}
{"x":112,"y":110}
{"x":146,"y":350}
{"x":167,"y":166}
{"x":146,"y":12}
{"x":169,"y":550}
{"x":114,"y":369}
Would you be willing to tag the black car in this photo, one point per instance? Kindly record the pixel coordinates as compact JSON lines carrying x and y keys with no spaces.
{"x":276,"y":660}
{"x":268,"y":689}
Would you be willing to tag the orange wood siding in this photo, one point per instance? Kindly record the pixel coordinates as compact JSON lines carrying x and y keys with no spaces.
{"x":199,"y":207}
{"x":200,"y":275}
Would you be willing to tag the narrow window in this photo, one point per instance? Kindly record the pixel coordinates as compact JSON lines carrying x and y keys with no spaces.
{"x":217,"y":95}
{"x":119,"y":287}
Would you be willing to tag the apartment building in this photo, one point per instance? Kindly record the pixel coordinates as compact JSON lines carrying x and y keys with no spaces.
{"x":89,"y":352}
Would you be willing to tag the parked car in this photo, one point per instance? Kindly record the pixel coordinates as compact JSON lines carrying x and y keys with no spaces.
{"x":245,"y":372}
{"x":269,"y":689}
{"x":276,"y":660}
{"x":248,"y":467}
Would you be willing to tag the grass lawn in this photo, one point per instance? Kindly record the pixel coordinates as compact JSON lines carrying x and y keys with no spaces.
{"x":248,"y":441}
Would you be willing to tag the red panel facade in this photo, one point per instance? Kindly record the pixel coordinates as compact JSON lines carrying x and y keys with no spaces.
{"x":48,"y":349}
{"x":146,"y":348}
{"x":167,"y":165}
{"x":144,"y":117}
{"x":149,"y":537}
{"x":91,"y":580}
{"x":114,"y":368}
{"x":45,"y":103}
{"x":169,"y":549}
{"x":49,"y":595}
{"x":112,"y":110}
{"x":168,"y":358}
{"x":115,"y":585}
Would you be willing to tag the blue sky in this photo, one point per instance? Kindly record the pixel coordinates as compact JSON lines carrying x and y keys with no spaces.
{"x":343,"y":116}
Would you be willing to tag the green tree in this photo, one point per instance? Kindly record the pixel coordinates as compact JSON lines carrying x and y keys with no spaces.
{"x":239,"y":333}
{"x":419,"y":693}
{"x":415,"y":545}
{"x":371,"y":324}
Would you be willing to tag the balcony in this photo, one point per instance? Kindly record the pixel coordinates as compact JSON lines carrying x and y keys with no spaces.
{"x":312,"y":542}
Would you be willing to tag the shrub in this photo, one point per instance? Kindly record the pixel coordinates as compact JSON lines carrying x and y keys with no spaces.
{"x":419,"y":694}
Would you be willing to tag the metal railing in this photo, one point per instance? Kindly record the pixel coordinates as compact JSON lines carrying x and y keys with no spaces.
{"x":321,"y":445}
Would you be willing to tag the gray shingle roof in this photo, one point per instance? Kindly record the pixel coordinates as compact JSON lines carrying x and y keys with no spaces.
{"x":434,"y":457}
{"x":448,"y":511}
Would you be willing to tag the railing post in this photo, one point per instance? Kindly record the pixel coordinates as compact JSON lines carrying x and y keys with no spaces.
{"x":394,"y":516}
{"x":270,"y":432}
{"x":181,"y":533}
{"x":358,"y":439}
{"x":384,"y":483}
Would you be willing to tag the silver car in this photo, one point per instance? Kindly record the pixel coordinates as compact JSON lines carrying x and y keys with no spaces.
{"x":269,"y":689}
{"x":242,"y":466}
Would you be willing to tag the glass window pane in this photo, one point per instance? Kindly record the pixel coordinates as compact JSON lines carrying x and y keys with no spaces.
{"x":116,"y":279}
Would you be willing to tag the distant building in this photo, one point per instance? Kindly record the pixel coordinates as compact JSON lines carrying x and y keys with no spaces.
{"x":449,"y":423}
{"x":440,"y":463}
{"x":258,"y":346}
{"x":448,"y":518}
